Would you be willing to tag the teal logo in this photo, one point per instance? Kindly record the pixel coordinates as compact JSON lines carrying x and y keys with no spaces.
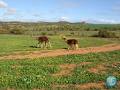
{"x":111,"y":82}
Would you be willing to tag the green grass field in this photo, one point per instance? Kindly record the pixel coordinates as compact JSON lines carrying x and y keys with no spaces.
{"x":39,"y":73}
{"x":14,"y":43}
{"x":29,"y":74}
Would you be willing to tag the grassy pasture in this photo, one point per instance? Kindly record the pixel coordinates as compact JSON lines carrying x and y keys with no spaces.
{"x":42,"y":72}
{"x":38,"y":73}
{"x":13,"y":43}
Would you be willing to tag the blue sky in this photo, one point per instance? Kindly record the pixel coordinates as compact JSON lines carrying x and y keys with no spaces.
{"x":95,"y":11}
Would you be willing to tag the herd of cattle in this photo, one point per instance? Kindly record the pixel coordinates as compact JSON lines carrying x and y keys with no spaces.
{"x":44,"y":42}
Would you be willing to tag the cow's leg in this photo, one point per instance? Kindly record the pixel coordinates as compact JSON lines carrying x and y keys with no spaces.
{"x":49,"y":45}
{"x":45,"y":44}
{"x":76,"y":46}
{"x":69,"y":47}
{"x":42,"y":45}
{"x":73,"y":47}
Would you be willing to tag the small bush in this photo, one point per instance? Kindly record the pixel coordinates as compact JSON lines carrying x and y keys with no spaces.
{"x":43,"y":33}
{"x":105,"y":34}
{"x":16,"y":31}
{"x":72,"y":33}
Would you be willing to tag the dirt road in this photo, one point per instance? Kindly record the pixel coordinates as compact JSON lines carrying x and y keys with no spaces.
{"x":60,"y":52}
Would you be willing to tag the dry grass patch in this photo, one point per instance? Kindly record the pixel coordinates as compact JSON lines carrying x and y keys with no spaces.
{"x":66,"y":69}
{"x":86,"y":86}
{"x":102,"y":68}
{"x":98,"y":69}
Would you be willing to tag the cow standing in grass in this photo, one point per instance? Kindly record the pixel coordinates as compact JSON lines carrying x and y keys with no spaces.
{"x":43,"y":42}
{"x":73,"y":43}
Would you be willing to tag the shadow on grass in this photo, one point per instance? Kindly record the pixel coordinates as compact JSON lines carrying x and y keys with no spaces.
{"x":34,"y":47}
{"x":65,"y":48}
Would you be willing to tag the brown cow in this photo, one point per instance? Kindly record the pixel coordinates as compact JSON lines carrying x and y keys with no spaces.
{"x":43,"y":42}
{"x":73,"y":43}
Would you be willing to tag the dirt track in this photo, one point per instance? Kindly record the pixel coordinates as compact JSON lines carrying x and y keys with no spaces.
{"x":59,"y":52}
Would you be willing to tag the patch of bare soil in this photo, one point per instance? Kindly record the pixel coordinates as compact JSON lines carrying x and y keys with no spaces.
{"x":102,"y":68}
{"x":99,"y":85}
{"x":66,"y":69}
{"x":60,"y":52}
{"x":87,"y":86}
{"x":84,"y":63}
{"x":98,"y":69}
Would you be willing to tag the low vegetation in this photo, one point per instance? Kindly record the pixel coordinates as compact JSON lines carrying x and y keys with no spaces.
{"x":40,"y":73}
{"x":106,"y":34}
{"x":66,"y":28}
{"x":63,"y":72}
{"x":16,"y":31}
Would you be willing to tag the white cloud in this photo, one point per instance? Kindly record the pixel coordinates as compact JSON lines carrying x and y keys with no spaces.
{"x":10,"y":11}
{"x":64,"y":18}
{"x":101,"y":21}
{"x":107,"y":21}
{"x":3,"y":4}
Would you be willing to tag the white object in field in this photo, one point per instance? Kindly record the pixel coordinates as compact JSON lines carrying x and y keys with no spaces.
{"x":111,"y":81}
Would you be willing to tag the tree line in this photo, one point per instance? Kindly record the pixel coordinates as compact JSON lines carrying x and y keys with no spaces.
{"x":21,"y":28}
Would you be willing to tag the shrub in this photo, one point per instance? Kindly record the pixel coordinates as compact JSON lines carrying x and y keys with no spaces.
{"x":87,"y":29}
{"x":106,"y":34}
{"x":43,"y":33}
{"x":72,"y":33}
{"x":96,"y":29}
{"x":16,"y":31}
